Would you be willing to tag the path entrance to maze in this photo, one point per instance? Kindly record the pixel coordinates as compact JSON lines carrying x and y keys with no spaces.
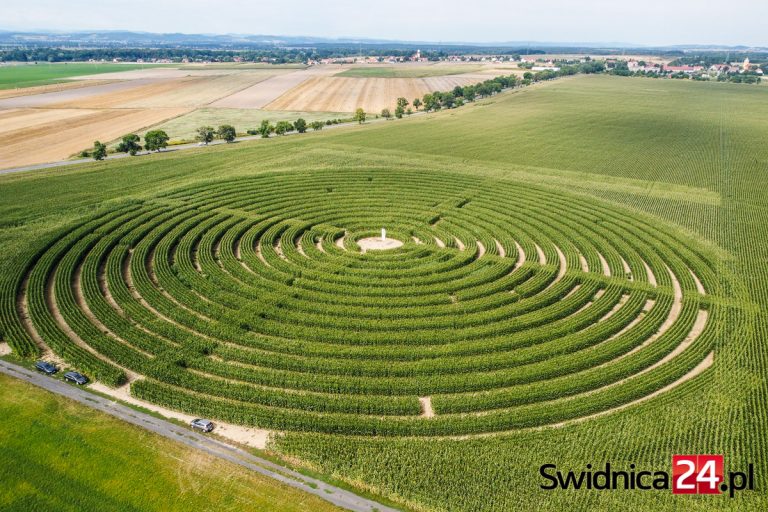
{"x":254,"y":301}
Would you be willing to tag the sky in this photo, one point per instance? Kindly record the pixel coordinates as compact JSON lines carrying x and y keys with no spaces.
{"x":642,"y":22}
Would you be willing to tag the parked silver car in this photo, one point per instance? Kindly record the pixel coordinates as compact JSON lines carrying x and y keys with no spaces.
{"x":202,"y":425}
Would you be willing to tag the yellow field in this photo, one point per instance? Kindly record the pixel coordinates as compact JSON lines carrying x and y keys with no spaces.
{"x":44,"y":135}
{"x":342,"y":94}
{"x":53,"y":122}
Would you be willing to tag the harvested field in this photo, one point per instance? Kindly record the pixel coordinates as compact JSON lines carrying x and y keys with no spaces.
{"x":160,"y":73}
{"x":181,"y":92}
{"x":73,"y":96}
{"x":372,"y":94}
{"x":269,"y":90}
{"x":407,"y":71}
{"x":42,"y":89}
{"x":48,"y":135}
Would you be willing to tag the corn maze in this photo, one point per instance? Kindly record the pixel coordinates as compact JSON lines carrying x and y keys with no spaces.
{"x":250,"y":301}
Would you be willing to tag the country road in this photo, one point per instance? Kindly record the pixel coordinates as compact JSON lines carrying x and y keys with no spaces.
{"x":193,"y":145}
{"x":330,"y":493}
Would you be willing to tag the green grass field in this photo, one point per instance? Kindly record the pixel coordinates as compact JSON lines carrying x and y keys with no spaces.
{"x":30,"y":75}
{"x":184,"y":127}
{"x":381,"y":71}
{"x":239,"y":252}
{"x":66,"y":456}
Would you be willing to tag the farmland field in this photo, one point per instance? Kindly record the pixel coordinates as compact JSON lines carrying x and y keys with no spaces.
{"x":334,"y":93}
{"x":30,"y":75}
{"x":582,"y":278}
{"x":382,"y":71}
{"x":184,"y":127}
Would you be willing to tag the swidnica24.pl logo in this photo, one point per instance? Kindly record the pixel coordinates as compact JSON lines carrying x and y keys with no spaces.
{"x":691,"y":474}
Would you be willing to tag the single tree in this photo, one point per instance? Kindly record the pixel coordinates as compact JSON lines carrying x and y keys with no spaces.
{"x":316,"y":125}
{"x":227,"y":132}
{"x":408,"y":111}
{"x":300,"y":125}
{"x":265,"y":129}
{"x":205,"y":134}
{"x":129,"y":144}
{"x":416,"y":103}
{"x":155,"y":140}
{"x":399,"y":111}
{"x":386,"y":114}
{"x":99,"y":151}
{"x":360,"y":115}
{"x":402,"y":102}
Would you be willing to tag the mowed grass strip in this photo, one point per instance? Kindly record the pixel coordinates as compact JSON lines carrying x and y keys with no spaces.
{"x":60,"y":455}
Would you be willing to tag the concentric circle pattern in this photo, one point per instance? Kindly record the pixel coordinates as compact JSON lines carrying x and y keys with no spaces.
{"x":250,"y":301}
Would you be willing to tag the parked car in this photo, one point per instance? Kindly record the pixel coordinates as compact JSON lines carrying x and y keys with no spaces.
{"x":77,"y":378}
{"x":46,"y":367}
{"x":202,"y":425}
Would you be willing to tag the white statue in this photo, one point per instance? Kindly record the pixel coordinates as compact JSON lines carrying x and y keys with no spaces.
{"x":383,"y":234}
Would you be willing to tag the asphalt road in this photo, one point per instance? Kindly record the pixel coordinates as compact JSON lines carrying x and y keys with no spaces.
{"x":333,"y":494}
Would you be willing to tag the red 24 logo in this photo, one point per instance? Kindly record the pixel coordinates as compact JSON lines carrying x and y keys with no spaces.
{"x":697,"y":474}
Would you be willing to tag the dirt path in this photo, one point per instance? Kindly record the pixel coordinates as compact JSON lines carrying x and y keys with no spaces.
{"x":540,"y":253}
{"x":150,"y":268}
{"x":128,"y":278}
{"x":439,"y":243}
{"x":583,"y":262}
{"x":340,"y":242}
{"x":77,"y":292}
{"x":623,"y":300}
{"x":459,"y":244}
{"x":649,"y":272}
{"x":500,"y":249}
{"x":520,"y":256}
{"x":426,"y":407}
{"x":300,"y":247}
{"x":279,"y":250}
{"x":249,"y":436}
{"x":563,"y":264}
{"x":53,"y":307}
{"x":604,"y":264}
{"x":480,"y":249}
{"x":627,"y":270}
{"x":699,"y":286}
{"x":698,"y":370}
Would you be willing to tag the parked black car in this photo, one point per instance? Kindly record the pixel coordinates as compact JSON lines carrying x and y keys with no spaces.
{"x":77,"y":378}
{"x":200,"y":424}
{"x":46,"y":367}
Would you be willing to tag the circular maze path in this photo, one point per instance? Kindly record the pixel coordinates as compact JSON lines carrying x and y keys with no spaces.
{"x":250,"y":301}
